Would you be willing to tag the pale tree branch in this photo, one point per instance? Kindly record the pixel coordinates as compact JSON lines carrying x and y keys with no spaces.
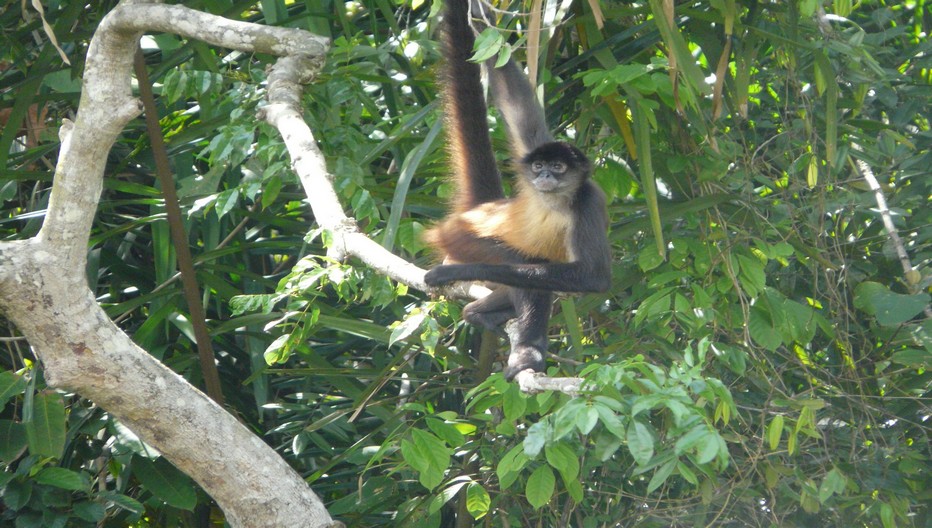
{"x":43,"y":290}
{"x":910,"y":273}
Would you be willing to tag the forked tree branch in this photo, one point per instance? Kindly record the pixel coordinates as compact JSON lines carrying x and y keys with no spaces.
{"x":44,"y":291}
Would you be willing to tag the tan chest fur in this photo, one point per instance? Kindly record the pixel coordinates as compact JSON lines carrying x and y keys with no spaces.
{"x":531,"y":227}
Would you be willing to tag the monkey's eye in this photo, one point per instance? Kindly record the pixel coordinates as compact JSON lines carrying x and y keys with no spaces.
{"x":559,"y":166}
{"x":537,"y":166}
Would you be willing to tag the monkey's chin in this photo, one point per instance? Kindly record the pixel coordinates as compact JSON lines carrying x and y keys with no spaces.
{"x":546,"y":185}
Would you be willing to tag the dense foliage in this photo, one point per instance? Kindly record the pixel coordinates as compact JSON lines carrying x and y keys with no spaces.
{"x":761,"y":360}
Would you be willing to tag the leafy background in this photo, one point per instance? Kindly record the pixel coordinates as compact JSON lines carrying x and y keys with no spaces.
{"x":761,"y":360}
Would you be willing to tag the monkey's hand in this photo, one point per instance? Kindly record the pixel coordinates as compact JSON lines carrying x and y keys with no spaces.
{"x":443,"y":274}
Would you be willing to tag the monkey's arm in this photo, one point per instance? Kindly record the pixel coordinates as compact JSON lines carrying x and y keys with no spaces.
{"x":516,"y":102}
{"x":513,"y":95}
{"x":590,"y":271}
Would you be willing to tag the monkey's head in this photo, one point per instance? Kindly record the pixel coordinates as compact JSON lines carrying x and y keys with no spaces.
{"x":556,"y":167}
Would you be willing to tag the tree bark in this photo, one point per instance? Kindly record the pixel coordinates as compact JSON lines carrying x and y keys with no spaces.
{"x":44,"y":291}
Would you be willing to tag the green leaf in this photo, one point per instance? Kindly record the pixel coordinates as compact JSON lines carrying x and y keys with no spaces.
{"x":407,"y":327}
{"x":887,"y":516}
{"x":752,"y":275}
{"x":640,"y":442}
{"x":428,"y":455}
{"x":661,"y":475}
{"x":488,"y":43}
{"x":564,"y":460}
{"x":709,"y":447}
{"x":762,"y":330}
{"x":610,"y":420}
{"x":166,"y":482}
{"x":12,"y":440}
{"x":649,"y":259}
{"x":540,"y":486}
{"x":834,"y":482}
{"x":448,"y":432}
{"x":913,"y":358}
{"x":122,"y":501}
{"x":536,"y":438}
{"x":17,"y":493}
{"x":888,"y":307}
{"x":692,"y":438}
{"x":89,"y":511}
{"x":606,"y":445}
{"x":11,"y":384}
{"x":514,"y":402}
{"x":226,"y":202}
{"x":63,"y":478}
{"x":587,"y":419}
{"x":775,"y":431}
{"x":477,"y":500}
{"x":270,"y":191}
{"x":687,"y":474}
{"x":46,"y":431}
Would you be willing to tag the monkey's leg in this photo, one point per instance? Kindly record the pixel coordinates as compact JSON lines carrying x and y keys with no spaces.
{"x":529,"y":338}
{"x":491,"y":311}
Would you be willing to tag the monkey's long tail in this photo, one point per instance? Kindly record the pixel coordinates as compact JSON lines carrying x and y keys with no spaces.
{"x":471,"y":156}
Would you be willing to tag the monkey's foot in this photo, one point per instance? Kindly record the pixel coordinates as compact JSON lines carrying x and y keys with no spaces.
{"x":523,"y":357}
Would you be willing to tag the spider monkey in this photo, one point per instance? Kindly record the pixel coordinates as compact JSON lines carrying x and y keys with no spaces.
{"x":550,"y":236}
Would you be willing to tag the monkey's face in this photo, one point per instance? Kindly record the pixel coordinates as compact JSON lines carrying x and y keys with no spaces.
{"x":556,"y":168}
{"x":548,"y":175}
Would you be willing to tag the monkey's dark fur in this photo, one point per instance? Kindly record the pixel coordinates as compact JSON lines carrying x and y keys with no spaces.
{"x":550,"y":236}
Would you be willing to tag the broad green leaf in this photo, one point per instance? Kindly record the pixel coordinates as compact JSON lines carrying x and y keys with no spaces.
{"x":407,"y":327}
{"x":762,"y":331}
{"x":888,"y":307}
{"x":691,"y":438}
{"x":122,"y":501}
{"x":537,"y":436}
{"x":436,"y":454}
{"x":834,"y":482}
{"x":63,"y":478}
{"x":17,"y":493}
{"x":606,"y":445}
{"x":512,"y":461}
{"x":166,"y":482}
{"x":447,"y":432}
{"x":11,"y":384}
{"x":12,"y":440}
{"x":89,"y":511}
{"x":477,"y":500}
{"x":913,"y":358}
{"x":46,"y":431}
{"x":649,"y":259}
{"x":610,"y":420}
{"x":514,"y":402}
{"x":540,"y":486}
{"x":709,"y":447}
{"x":887,"y":515}
{"x":488,"y":43}
{"x":687,"y":474}
{"x":587,"y":419}
{"x":564,"y":460}
{"x":661,"y":475}
{"x":446,"y":495}
{"x":640,"y":442}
